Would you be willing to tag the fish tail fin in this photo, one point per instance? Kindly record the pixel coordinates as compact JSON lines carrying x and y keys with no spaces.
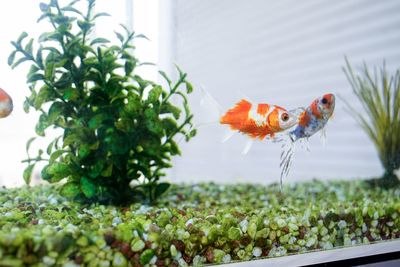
{"x":209,"y":102}
{"x":213,"y":113}
{"x":211,"y":110}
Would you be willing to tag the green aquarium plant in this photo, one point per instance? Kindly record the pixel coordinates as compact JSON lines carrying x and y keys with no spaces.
{"x":118,"y":130}
{"x":379,"y":94}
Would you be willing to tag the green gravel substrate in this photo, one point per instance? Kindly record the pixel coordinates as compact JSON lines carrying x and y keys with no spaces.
{"x":194,"y":224}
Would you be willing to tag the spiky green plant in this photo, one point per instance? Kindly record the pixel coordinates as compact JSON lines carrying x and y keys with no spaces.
{"x":379,"y":94}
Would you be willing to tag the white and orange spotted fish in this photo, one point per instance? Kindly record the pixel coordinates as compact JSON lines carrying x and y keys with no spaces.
{"x":310,"y":121}
{"x":6,"y":104}
{"x":314,"y":117}
{"x":258,"y":120}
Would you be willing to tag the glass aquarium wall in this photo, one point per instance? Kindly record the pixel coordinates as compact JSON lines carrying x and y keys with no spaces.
{"x":265,"y":91}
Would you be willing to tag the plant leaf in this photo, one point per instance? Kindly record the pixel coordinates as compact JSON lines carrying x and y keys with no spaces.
{"x":28,"y":174}
{"x":58,"y":171}
{"x":22,"y":37}
{"x":70,"y":190}
{"x":35,"y":77}
{"x":29,"y":143}
{"x":11,"y":58}
{"x":161,"y":188}
{"x":19,"y":61}
{"x":88,"y":188}
{"x":189,"y":87}
{"x":99,"y":41}
{"x":101,"y":14}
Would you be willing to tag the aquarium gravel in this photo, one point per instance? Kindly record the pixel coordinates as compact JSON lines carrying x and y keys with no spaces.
{"x":194,"y":224}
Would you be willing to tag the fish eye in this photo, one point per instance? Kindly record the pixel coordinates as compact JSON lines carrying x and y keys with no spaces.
{"x":324,"y":101}
{"x":285,"y":117}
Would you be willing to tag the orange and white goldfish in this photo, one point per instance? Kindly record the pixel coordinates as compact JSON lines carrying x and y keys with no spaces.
{"x":6,"y":104}
{"x":311,"y":120}
{"x":258,"y":120}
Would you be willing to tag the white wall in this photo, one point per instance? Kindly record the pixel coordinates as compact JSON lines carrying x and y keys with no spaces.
{"x":16,"y":129}
{"x":286,"y":53}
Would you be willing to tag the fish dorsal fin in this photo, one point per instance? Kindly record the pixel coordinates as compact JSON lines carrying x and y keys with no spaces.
{"x":238,"y":114}
{"x":208,"y":99}
{"x":242,"y":105}
{"x":244,"y":96}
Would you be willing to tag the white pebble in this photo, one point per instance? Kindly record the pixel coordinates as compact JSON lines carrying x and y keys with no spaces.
{"x":114,"y":212}
{"x":327,"y":245}
{"x":48,"y":261}
{"x":145,"y":236}
{"x":116,"y":221}
{"x":153,"y":260}
{"x":52,"y":200}
{"x":257,"y":252}
{"x":70,"y":264}
{"x":189,"y":222}
{"x":182,"y":262}
{"x":243,"y":225}
{"x":364,"y":228}
{"x":311,"y":242}
{"x":342,"y":224}
{"x":227,"y":258}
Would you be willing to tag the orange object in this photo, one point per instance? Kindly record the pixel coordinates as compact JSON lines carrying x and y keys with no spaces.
{"x":259,"y":120}
{"x":6,"y":104}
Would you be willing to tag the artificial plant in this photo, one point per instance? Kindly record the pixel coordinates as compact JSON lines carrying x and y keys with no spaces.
{"x":118,"y":130}
{"x":379,"y":94}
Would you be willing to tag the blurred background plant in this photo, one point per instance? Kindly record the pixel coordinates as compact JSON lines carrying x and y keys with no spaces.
{"x":379,"y":94}
{"x":119,"y":129}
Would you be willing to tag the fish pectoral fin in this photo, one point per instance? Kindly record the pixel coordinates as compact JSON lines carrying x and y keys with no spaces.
{"x":228,"y":135}
{"x":248,"y":146}
{"x":323,"y":136}
{"x":262,"y":137}
{"x":281,"y":137}
{"x":288,"y":149}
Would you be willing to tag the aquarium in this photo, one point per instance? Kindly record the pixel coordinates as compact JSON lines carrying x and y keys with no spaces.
{"x":176,"y":133}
